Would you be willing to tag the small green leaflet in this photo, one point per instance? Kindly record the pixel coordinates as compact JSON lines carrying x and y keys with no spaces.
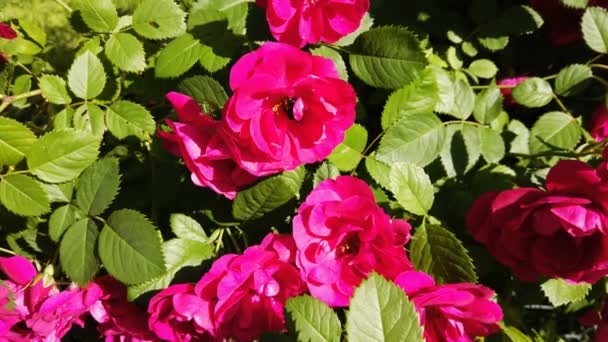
{"x":54,"y":89}
{"x":561,"y":292}
{"x":412,"y":188}
{"x":77,"y":251}
{"x":15,"y":141}
{"x":86,"y":77}
{"x":178,"y":56}
{"x":126,"y":52}
{"x":97,"y":186}
{"x":99,"y":15}
{"x":159,"y":19}
{"x":125,"y":118}
{"x":347,"y":155}
{"x":312,"y":319}
{"x":23,"y":195}
{"x":595,"y":29}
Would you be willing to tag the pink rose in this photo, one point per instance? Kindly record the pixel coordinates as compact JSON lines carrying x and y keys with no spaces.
{"x":564,"y":22}
{"x":311,"y":21}
{"x":195,"y":138}
{"x":119,"y":320}
{"x":599,"y":123}
{"x":243,"y":295}
{"x":6,"y":32}
{"x":288,"y":108}
{"x":560,"y":232}
{"x":174,"y":312}
{"x":19,"y":272}
{"x":342,"y":235}
{"x":509,"y":84}
{"x":451,"y":312}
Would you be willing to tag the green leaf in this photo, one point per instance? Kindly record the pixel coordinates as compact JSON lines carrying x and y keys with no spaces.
{"x":187,"y":228}
{"x":335,"y":56}
{"x":22,"y":84}
{"x":379,"y":170}
{"x":97,"y":186}
{"x":521,"y":142}
{"x":453,"y":59}
{"x":99,"y":15}
{"x":86,"y":77}
{"x":418,"y":97}
{"x":514,"y":334}
{"x":492,"y":145}
{"x":60,"y":156}
{"x":554,"y":130}
{"x":387,"y":57}
{"x":126,"y":52}
{"x":59,"y":192}
{"x":33,"y":31}
{"x":15,"y":141}
{"x":380,"y":311}
{"x":348,"y":154}
{"x":89,"y":118}
{"x":455,"y":156}
{"x":464,"y":100}
{"x":23,"y":195}
{"x":313,"y":320}
{"x":125,"y":118}
{"x":130,"y":248}
{"x":561,"y":292}
{"x":483,"y":68}
{"x":179,"y":253}
{"x":438,"y":252}
{"x":77,"y":251}
{"x":572,"y":79}
{"x":533,"y":92}
{"x":412,"y":188}
{"x":53,"y":89}
{"x":178,"y":56}
{"x":325,"y":171}
{"x":61,"y":219}
{"x":417,"y":139}
{"x":206,"y":91}
{"x":63,"y":119}
{"x":267,"y":195}
{"x":488,"y":105}
{"x":159,"y":19}
{"x":581,"y":4}
{"x":595,"y":29}
{"x":471,"y":136}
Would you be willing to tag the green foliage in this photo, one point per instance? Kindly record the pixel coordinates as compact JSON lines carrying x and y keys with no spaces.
{"x":267,"y":195}
{"x":313,"y":319}
{"x":554,"y":130}
{"x":483,"y":68}
{"x":412,"y":188}
{"x":347,"y":155}
{"x":97,"y":187}
{"x":99,"y":15}
{"x":380,"y":311}
{"x":387,"y":57}
{"x":575,"y":3}
{"x":325,"y":171}
{"x":77,"y":251}
{"x":595,"y":29}
{"x":438,"y":252}
{"x":125,"y":118}
{"x":533,"y":92}
{"x":571,"y":79}
{"x":61,"y":219}
{"x":206,"y":91}
{"x":87,"y":77}
{"x":23,"y":195}
{"x":178,"y":56}
{"x":488,"y":104}
{"x":54,"y":90}
{"x":130,"y":248}
{"x":159,"y":19}
{"x":60,"y":156}
{"x":561,"y":292}
{"x":126,"y":52}
{"x":417,"y":139}
{"x":15,"y":141}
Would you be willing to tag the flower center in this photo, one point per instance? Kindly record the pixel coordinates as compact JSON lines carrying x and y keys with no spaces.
{"x":285,"y":106}
{"x":312,"y":2}
{"x":350,"y":246}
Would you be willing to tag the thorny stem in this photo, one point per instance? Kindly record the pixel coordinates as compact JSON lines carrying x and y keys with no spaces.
{"x":8,"y":99}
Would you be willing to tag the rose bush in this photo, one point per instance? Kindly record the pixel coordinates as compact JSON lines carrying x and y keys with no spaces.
{"x":207,"y":170}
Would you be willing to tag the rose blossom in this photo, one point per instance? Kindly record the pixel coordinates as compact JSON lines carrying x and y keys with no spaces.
{"x":288,"y":108}
{"x":599,"y":123}
{"x":6,"y":32}
{"x":174,"y":312}
{"x":342,"y":235}
{"x":195,"y":138}
{"x":451,"y":312}
{"x":509,"y":84}
{"x":301,"y":22}
{"x":243,"y":295}
{"x":560,"y":232}
{"x":119,"y":320}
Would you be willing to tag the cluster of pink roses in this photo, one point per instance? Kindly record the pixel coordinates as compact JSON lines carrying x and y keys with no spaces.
{"x":31,"y":310}
{"x":340,"y":236}
{"x":529,"y":229}
{"x":288,"y":108}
